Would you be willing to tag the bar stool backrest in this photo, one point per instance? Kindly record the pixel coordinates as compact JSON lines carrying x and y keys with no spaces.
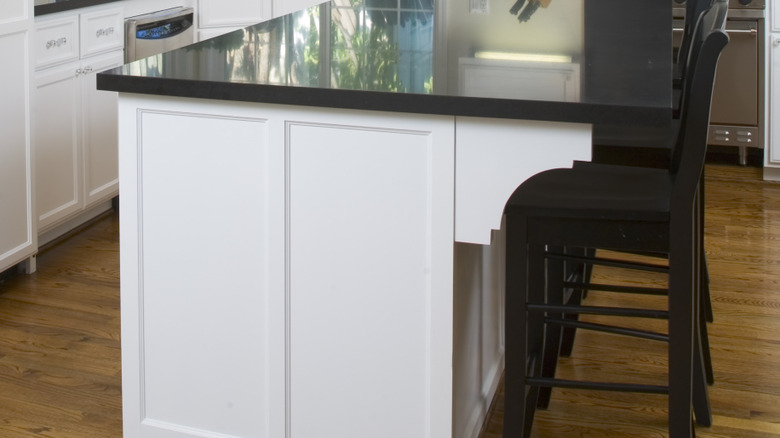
{"x":691,"y":146}
{"x":701,"y":16}
{"x":693,"y":10}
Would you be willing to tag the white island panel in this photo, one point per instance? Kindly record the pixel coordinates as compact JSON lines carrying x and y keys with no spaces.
{"x":370,"y":213}
{"x":285,"y":272}
{"x":204,"y":310}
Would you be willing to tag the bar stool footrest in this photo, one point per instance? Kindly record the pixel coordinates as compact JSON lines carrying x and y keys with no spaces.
{"x":596,"y":310}
{"x":643,"y":334}
{"x":548,"y":382}
{"x":616,"y":288}
{"x":616,"y":263}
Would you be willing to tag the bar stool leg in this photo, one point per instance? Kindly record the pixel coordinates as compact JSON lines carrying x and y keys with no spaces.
{"x":701,"y":399}
{"x":702,"y":365}
{"x":536,"y":333}
{"x":705,"y":274}
{"x":554,"y":273}
{"x":583,"y":273}
{"x":681,"y":325}
{"x":515,"y":327}
{"x":704,"y":307}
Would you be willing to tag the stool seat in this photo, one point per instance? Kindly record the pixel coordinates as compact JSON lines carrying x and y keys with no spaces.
{"x":597,"y":191}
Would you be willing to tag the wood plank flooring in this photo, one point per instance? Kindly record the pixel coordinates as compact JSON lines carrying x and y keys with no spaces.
{"x":743,"y":253}
{"x":59,"y":341}
{"x":60,"y":357}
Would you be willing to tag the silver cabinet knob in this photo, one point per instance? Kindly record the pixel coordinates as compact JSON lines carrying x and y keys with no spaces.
{"x":56,"y":43}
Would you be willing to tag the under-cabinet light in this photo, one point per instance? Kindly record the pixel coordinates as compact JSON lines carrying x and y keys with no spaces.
{"x":528,"y":57}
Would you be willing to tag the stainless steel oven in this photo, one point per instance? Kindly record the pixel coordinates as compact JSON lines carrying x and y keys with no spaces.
{"x":737,"y":117}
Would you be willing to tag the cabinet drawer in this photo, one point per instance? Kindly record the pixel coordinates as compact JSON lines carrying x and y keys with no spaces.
{"x":101,"y":31}
{"x":56,"y":41}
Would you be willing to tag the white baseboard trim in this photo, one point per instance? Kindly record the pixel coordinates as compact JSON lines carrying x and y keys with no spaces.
{"x":76,"y":221}
{"x":771,"y":174}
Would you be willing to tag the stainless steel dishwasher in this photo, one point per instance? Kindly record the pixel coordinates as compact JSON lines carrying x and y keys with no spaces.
{"x":158,"y":32}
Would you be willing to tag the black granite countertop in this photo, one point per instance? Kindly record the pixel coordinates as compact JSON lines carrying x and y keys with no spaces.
{"x":43,"y":7}
{"x":375,"y":55}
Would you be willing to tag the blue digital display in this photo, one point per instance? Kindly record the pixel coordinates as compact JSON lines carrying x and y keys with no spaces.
{"x":159,"y":32}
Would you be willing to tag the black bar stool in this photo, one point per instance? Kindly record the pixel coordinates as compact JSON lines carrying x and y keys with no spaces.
{"x":581,"y":260}
{"x":626,"y":209}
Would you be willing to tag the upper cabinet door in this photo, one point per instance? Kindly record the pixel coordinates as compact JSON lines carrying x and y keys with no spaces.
{"x":232,"y":13}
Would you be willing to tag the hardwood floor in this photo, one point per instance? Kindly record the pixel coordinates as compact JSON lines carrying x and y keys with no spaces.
{"x":59,"y":341}
{"x":743,"y":253}
{"x":60,"y":357}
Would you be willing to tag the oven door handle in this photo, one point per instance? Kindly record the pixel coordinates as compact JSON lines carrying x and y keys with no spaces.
{"x":741,"y":31}
{"x":751,"y":31}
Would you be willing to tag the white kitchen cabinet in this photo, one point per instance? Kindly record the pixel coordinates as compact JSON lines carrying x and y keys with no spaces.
{"x":18,"y":237}
{"x":57,"y":144}
{"x":99,"y":112}
{"x":75,"y":133}
{"x":219,"y":17}
{"x":772,"y":164}
{"x":304,"y":206}
{"x":774,"y":14}
{"x":333,"y":225}
{"x":282,"y":7}
{"x":772,"y":153}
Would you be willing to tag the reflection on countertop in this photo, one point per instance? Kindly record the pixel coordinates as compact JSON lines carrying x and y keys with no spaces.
{"x":604,"y":54}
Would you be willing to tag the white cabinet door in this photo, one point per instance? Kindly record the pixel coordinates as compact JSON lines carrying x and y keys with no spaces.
{"x":75,"y":139}
{"x":57,"y":151}
{"x":775,"y":14}
{"x":773,"y":152}
{"x":369,"y":222}
{"x":182,"y":373}
{"x":232,"y":13}
{"x":17,"y":236}
{"x":76,"y":125}
{"x":99,"y":112}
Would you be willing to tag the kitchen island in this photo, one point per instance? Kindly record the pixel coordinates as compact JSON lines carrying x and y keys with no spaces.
{"x":311,"y":207}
